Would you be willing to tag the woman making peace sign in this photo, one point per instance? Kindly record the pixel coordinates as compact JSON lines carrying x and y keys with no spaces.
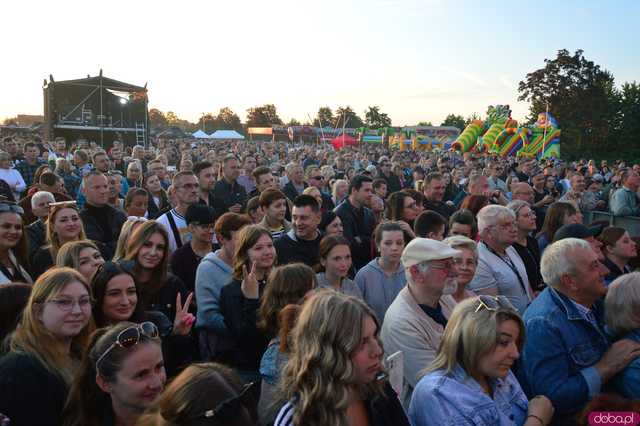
{"x":240,"y":300}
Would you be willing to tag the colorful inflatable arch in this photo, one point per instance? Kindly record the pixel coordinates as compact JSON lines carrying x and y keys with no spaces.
{"x":500,"y":134}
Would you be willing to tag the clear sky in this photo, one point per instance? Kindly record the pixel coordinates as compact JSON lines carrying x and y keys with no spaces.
{"x":417,"y":59}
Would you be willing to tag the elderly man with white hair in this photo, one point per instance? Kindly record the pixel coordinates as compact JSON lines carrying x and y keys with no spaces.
{"x":567,"y":356}
{"x":416,"y":319}
{"x":501,"y":270}
{"x":40,"y":208}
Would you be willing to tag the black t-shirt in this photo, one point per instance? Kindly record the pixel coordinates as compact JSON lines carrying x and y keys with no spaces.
{"x":435,"y":314}
{"x":530,"y":256}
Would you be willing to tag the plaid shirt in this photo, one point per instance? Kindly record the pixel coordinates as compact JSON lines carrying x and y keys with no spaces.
{"x":28,"y":171}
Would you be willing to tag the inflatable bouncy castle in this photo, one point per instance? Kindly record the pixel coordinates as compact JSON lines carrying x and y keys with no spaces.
{"x":500,"y":134}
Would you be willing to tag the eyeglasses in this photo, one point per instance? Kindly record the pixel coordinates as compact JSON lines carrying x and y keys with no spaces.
{"x":227,"y":408}
{"x":317,"y":177}
{"x":494,"y":303}
{"x":12,"y":208}
{"x":66,"y":305}
{"x":442,"y":265}
{"x":130,"y":336}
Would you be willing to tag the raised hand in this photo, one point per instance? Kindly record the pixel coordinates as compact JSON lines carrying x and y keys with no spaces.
{"x":184,"y":320}
{"x":250,"y":287}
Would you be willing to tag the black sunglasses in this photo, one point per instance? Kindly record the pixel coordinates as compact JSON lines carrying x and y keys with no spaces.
{"x":229,"y":407}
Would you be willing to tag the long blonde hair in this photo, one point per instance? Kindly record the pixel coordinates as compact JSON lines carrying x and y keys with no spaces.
{"x":52,"y":238}
{"x":320,"y":372}
{"x":471,"y":332}
{"x":33,"y":338}
{"x":125,"y":232}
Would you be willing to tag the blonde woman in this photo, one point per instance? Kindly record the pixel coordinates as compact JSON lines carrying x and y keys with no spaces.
{"x":83,"y":256}
{"x":339,"y":191}
{"x":46,"y":348}
{"x":63,"y":225}
{"x":125,"y":232}
{"x":470,"y":381}
{"x":333,"y":374}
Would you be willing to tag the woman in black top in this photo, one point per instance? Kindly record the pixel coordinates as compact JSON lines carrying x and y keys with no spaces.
{"x":63,"y":225}
{"x":158,"y":199}
{"x":148,"y":249}
{"x":14,"y":259}
{"x":45,"y":349}
{"x":526,"y":245}
{"x":116,"y":300}
{"x":240,"y":299}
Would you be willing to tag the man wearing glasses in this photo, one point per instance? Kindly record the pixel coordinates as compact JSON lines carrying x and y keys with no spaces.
{"x":185,"y":188}
{"x":416,"y":319}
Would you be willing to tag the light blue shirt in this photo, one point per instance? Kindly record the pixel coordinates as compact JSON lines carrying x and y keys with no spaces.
{"x":378,"y":289}
{"x":456,"y":399}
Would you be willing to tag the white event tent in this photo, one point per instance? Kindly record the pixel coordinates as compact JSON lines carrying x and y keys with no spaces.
{"x":226,"y":134}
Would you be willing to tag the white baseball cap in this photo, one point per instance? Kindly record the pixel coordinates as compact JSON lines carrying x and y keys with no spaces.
{"x":425,"y":249}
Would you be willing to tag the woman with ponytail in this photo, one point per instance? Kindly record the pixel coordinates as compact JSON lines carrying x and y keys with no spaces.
{"x":334,"y":375}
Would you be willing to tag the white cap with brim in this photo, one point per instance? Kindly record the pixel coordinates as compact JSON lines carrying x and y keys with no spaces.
{"x":424,"y":250}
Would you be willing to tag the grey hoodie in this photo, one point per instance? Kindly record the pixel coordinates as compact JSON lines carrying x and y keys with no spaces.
{"x":211,"y":276}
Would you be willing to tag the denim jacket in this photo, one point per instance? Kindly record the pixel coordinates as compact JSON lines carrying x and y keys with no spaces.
{"x":627,"y":382}
{"x":456,"y":399}
{"x":560,"y":352}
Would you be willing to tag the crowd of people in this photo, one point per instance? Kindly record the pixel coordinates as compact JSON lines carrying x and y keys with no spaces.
{"x":243,"y":283}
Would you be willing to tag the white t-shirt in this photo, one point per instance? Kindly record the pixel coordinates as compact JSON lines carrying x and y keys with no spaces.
{"x":181,"y":225}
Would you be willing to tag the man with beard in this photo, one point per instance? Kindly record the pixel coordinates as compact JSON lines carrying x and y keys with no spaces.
{"x":416,"y":319}
{"x":206,"y":180}
{"x":501,"y":271}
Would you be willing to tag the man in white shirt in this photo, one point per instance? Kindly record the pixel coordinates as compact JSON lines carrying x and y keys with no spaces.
{"x":185,"y":187}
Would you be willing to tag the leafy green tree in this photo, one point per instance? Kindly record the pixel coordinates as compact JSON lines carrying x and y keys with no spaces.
{"x":578,"y":93}
{"x":228,"y":120}
{"x":374,"y":119}
{"x":425,"y":123}
{"x":263,"y":116}
{"x":293,"y":122}
{"x":454,"y":121}
{"x":473,"y":117}
{"x":346,"y":117}
{"x":207,"y":123}
{"x":324,"y":117}
{"x":157,"y":119}
{"x":626,"y":121}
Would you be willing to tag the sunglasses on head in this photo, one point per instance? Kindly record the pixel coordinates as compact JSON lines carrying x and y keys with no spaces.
{"x":130,"y":336}
{"x":230,"y":407}
{"x":494,"y":303}
{"x":63,"y":204}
